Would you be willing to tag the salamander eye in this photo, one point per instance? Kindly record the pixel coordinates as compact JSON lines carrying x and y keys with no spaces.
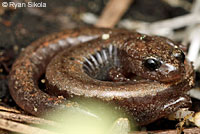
{"x":152,"y":64}
{"x":180,"y":56}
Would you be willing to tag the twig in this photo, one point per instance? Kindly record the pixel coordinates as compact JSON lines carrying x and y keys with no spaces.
{"x":185,"y":131}
{"x":132,"y":24}
{"x":178,"y":35}
{"x":194,"y":48}
{"x":113,"y":12}
{"x":21,"y":128}
{"x":173,"y":23}
{"x":192,"y":35}
{"x":8,"y":109}
{"x":194,"y":10}
{"x":163,"y":26}
{"x":25,"y":118}
{"x":179,"y":3}
{"x":195,"y":7}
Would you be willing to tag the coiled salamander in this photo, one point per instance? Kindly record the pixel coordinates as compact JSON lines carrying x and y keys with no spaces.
{"x":147,"y":76}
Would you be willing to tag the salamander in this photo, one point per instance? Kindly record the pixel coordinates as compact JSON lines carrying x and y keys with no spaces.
{"x":146,"y":76}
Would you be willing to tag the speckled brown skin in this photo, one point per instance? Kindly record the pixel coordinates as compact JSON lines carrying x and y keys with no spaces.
{"x":158,"y":94}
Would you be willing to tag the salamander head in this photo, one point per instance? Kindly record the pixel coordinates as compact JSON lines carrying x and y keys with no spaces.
{"x":155,"y":58}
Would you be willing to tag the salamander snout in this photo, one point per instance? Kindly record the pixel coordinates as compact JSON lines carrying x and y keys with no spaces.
{"x":166,"y":70}
{"x":179,"y":56}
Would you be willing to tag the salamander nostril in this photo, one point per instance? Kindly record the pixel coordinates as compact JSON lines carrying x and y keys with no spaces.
{"x":180,"y":56}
